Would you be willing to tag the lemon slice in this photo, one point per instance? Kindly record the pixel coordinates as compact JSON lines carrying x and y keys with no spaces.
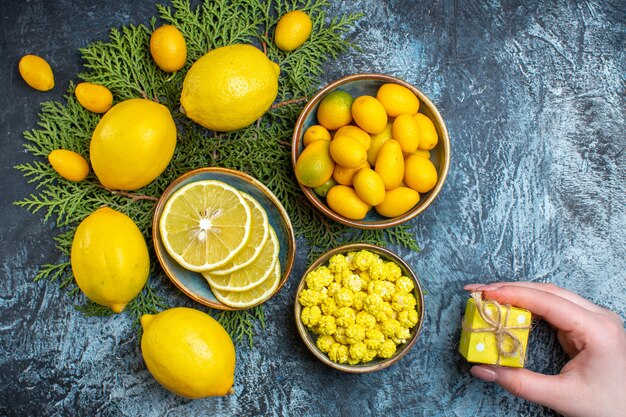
{"x":259,"y":232}
{"x":254,"y":296}
{"x":205,"y":224}
{"x":252,"y":275}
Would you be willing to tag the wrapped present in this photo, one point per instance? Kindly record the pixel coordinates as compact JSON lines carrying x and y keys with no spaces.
{"x":493,"y":333}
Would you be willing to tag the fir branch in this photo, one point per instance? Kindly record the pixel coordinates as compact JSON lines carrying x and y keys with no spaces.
{"x":238,"y":323}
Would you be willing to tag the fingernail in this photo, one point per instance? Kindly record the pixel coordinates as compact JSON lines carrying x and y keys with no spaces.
{"x":471,"y":287}
{"x":487,"y":288}
{"x":484,"y":373}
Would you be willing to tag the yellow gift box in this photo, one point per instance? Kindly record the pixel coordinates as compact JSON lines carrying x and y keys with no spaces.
{"x":493,"y":333}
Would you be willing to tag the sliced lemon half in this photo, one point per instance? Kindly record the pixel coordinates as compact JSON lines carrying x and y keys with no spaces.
{"x":205,"y":224}
{"x":254,"y":296}
{"x":252,"y":275}
{"x":259,"y":233}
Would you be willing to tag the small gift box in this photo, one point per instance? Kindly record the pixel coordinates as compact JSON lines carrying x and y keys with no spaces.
{"x":493,"y":333}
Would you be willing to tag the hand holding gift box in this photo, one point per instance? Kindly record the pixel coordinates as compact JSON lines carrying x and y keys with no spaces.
{"x":493,"y":333}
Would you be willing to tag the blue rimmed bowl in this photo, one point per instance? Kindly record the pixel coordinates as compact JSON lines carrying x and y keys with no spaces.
{"x":193,"y":284}
{"x":368,"y":84}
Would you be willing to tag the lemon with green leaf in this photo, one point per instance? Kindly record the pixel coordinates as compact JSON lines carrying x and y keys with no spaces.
{"x":229,"y":87}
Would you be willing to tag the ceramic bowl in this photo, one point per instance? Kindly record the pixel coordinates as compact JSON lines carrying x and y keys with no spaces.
{"x":377,"y":364}
{"x":368,"y":84}
{"x":192,"y":283}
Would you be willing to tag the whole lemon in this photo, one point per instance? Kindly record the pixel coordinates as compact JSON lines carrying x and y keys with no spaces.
{"x":313,"y":133}
{"x":292,"y":30}
{"x":229,"y":87}
{"x":405,"y":130}
{"x":428,"y":132}
{"x":334,"y":110}
{"x":36,"y":72}
{"x":397,"y":99}
{"x":357,"y":133}
{"x":369,"y":114}
{"x":188,"y":352}
{"x":348,"y":152}
{"x":109,"y":258}
{"x":132,"y":144}
{"x":369,"y":186}
{"x":314,"y":165}
{"x":168,"y":48}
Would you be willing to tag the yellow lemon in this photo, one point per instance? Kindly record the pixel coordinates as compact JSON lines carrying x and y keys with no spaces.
{"x":390,"y":164}
{"x":168,"y":48}
{"x":347,"y":152}
{"x":419,"y":173}
{"x":398,"y":201}
{"x":229,"y":87}
{"x":334,"y":110}
{"x":109,"y":258}
{"x":292,"y":30}
{"x":188,"y":352}
{"x":428,"y":132}
{"x":94,"y":97}
{"x":369,"y":114}
{"x":132,"y":144}
{"x":36,"y":72}
{"x":397,"y":99}
{"x":344,"y":176}
{"x":315,"y":132}
{"x":357,"y":133}
{"x":378,"y":140}
{"x":314,"y":165}
{"x":344,"y":200}
{"x":69,"y":165}
{"x":369,"y":186}
{"x":406,"y":131}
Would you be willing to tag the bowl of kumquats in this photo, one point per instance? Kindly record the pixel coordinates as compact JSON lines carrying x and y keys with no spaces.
{"x":370,"y":151}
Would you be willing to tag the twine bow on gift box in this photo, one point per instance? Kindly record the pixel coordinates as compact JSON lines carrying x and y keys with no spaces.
{"x":498,"y":326}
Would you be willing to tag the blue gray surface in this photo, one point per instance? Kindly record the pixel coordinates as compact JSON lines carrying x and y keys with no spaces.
{"x":533,"y":96}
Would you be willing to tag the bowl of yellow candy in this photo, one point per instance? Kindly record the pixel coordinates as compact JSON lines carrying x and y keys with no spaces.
{"x":359,"y":308}
{"x":370,"y":151}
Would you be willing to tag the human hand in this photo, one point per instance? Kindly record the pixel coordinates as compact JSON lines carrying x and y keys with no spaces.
{"x":593,"y":382}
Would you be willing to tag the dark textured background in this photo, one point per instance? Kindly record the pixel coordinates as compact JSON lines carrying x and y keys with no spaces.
{"x":533,"y":96}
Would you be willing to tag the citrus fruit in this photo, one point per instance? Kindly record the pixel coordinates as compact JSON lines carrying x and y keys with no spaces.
{"x":345,"y":201}
{"x":292,"y":30}
{"x":390,"y":164}
{"x":132,"y":144}
{"x":344,"y":176}
{"x":369,"y":114}
{"x":205,"y":224}
{"x":422,"y":153}
{"x":229,"y":87}
{"x":398,"y":201}
{"x":322,"y":190}
{"x":369,"y":186}
{"x":419,"y":173}
{"x":313,"y":133}
{"x":109,"y":258}
{"x":68,"y":164}
{"x":334,"y":110}
{"x":188,"y":352}
{"x":259,"y":233}
{"x":347,"y":152}
{"x":397,"y":99}
{"x":253,"y":296}
{"x":378,"y":140}
{"x":94,"y":97}
{"x":407,"y":132}
{"x":428,"y":132}
{"x":357,"y":133}
{"x":252,"y":275}
{"x":314,"y":165}
{"x":168,"y":48}
{"x":36,"y":72}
